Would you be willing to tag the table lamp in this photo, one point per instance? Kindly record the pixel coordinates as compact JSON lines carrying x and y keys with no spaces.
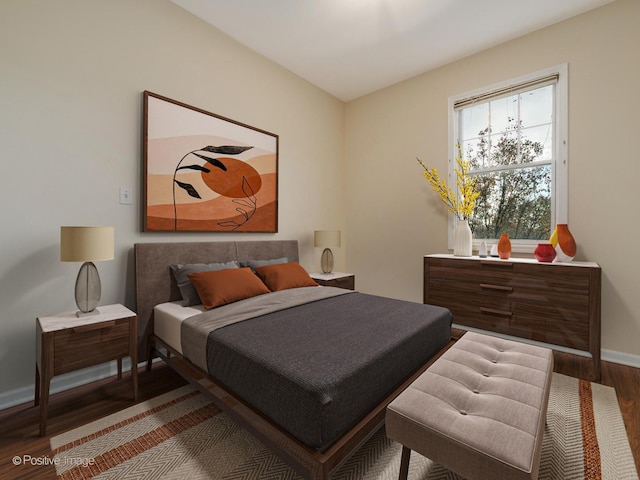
{"x":326,"y":238}
{"x":88,"y":245}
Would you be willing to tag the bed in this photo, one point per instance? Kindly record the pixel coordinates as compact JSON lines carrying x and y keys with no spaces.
{"x":307,"y":370}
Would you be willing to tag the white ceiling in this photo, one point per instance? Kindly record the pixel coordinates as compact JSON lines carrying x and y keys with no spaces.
{"x":353,"y":47}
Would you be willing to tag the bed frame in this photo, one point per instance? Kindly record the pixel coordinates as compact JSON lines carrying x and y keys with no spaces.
{"x":155,"y":284}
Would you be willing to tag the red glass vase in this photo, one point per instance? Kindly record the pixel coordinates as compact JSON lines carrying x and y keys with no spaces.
{"x":544,"y":252}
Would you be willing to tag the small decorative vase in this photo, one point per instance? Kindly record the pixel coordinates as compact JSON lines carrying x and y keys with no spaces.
{"x":504,"y":247}
{"x":563,"y":243}
{"x":482,"y":251}
{"x":462,"y":239}
{"x":544,"y":252}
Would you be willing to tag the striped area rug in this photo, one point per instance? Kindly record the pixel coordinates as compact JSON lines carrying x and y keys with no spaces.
{"x":182,"y":435}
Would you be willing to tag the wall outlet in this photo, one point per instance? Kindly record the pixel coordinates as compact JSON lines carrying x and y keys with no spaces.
{"x":126,"y":197}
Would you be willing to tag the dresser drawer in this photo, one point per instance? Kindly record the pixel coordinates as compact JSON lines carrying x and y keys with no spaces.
{"x":500,"y":273}
{"x":81,"y":347}
{"x":524,"y":324}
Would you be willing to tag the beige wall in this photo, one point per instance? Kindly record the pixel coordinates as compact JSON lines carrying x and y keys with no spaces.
{"x":72,"y":76}
{"x":394,"y":218}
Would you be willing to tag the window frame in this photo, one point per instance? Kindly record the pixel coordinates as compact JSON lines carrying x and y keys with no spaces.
{"x":560,"y":164}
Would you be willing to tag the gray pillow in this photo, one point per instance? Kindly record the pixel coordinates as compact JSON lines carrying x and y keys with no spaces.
{"x":253,"y":264}
{"x":187,"y":290}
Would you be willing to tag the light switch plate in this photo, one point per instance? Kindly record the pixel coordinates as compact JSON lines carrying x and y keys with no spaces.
{"x":126,"y":197}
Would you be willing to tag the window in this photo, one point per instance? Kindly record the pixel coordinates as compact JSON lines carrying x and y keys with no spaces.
{"x":515,"y":137}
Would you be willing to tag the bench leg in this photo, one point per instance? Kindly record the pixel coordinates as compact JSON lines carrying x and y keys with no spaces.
{"x":404,"y":463}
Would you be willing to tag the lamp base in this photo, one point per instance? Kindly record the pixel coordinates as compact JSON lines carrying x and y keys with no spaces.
{"x":88,"y":289}
{"x":80,"y":314}
{"x":326,"y":261}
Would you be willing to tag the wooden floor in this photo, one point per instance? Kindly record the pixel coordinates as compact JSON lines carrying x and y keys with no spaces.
{"x":76,"y":407}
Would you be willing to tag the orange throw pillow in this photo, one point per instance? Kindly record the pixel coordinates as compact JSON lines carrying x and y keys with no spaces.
{"x":217,"y":288}
{"x":284,"y":276}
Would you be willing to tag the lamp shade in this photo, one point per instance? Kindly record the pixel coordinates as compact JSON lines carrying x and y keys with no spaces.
{"x":86,"y":244}
{"x":326,"y":238}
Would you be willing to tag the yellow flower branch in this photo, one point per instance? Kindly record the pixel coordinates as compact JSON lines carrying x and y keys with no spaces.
{"x":462,"y":204}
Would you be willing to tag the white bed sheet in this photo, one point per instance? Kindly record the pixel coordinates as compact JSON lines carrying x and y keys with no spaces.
{"x":167,"y":321}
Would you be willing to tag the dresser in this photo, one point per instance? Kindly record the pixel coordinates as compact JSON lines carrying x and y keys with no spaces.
{"x":554,"y":303}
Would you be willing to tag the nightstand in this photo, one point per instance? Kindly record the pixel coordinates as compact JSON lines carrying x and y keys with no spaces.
{"x":335,"y":279}
{"x":65,"y":343}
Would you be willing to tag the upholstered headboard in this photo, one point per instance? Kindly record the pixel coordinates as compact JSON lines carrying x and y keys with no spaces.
{"x":155,"y":283}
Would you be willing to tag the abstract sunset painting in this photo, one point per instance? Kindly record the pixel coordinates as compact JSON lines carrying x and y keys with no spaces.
{"x":204,"y":172}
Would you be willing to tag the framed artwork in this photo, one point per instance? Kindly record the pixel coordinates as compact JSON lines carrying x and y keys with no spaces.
{"x":204,"y":172}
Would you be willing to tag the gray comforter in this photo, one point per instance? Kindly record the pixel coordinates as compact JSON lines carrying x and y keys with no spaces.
{"x":195,"y":330}
{"x":316,"y":364}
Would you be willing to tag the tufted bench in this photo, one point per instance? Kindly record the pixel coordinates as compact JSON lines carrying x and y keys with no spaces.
{"x":479,"y":410}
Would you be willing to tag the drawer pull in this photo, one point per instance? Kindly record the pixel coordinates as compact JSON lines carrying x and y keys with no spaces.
{"x":493,"y":263}
{"x":94,"y":326}
{"x":495,"y":311}
{"x":501,"y":288}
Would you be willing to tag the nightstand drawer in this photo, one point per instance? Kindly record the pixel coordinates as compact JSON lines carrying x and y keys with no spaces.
{"x":343,"y":282}
{"x":339,"y":280}
{"x":84,"y":346}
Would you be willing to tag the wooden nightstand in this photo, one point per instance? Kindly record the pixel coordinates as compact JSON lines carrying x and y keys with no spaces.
{"x":65,"y":343}
{"x":335,"y":279}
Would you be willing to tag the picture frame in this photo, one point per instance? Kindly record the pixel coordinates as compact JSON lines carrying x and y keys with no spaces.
{"x":206,"y":173}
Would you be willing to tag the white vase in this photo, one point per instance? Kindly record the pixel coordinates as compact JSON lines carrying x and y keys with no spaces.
{"x":482,"y":251}
{"x":462,"y":239}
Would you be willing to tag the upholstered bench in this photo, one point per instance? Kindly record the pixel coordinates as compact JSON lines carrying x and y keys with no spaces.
{"x":479,"y":410}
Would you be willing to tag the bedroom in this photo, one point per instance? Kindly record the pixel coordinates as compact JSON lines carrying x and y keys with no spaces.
{"x":73,"y":75}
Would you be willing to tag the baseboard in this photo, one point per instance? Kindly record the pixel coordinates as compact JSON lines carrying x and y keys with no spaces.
{"x":621,"y":357}
{"x":65,"y":382}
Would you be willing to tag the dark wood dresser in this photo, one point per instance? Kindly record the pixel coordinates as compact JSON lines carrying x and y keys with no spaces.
{"x":554,"y":303}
